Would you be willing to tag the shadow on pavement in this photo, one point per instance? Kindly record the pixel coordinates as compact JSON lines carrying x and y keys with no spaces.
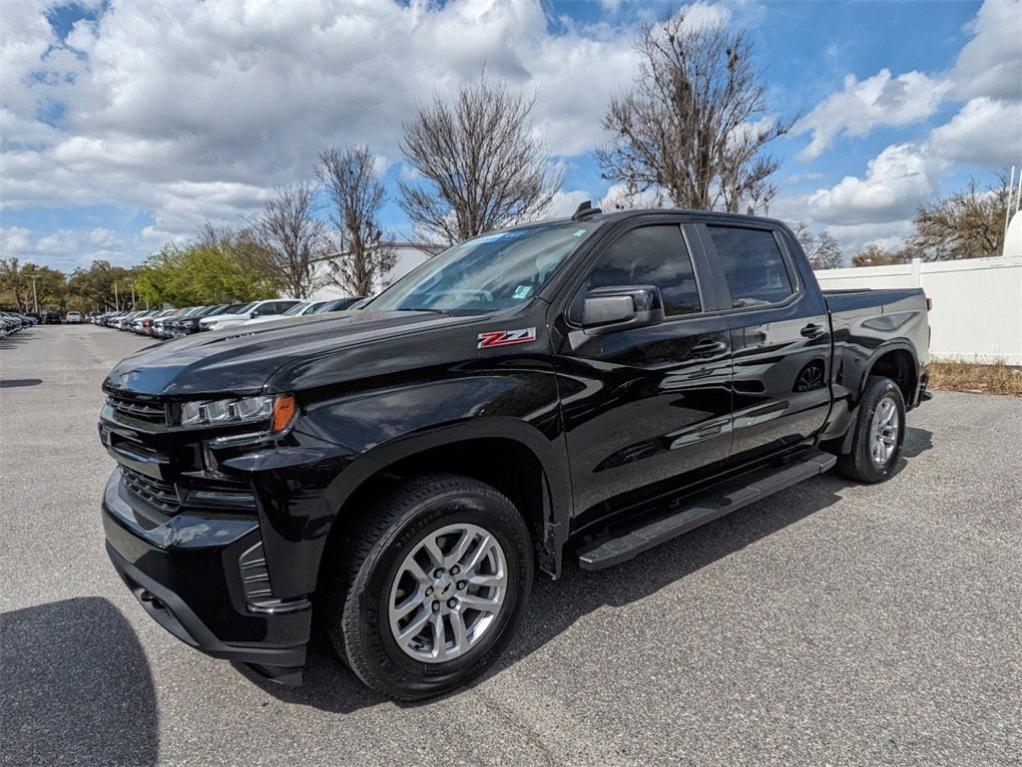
{"x":12,"y":383}
{"x":76,"y":687}
{"x":555,"y":606}
{"x":9,"y":342}
{"x":917,"y":441}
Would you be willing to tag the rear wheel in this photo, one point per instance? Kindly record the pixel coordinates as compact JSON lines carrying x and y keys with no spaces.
{"x":433,"y":586}
{"x":879,"y":433}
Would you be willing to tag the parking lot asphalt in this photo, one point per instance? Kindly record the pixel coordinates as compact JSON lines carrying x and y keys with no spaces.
{"x":833,"y":623}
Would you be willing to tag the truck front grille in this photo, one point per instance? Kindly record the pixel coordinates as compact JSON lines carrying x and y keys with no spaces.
{"x":141,"y":409}
{"x":160,"y":495}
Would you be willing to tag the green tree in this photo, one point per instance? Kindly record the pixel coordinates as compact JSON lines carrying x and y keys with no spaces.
{"x":93,"y":288}
{"x":201,"y":274}
{"x":16,"y":288}
{"x":50,"y":288}
{"x":12,"y":283}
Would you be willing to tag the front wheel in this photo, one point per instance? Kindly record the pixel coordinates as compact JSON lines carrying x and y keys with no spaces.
{"x":433,"y":586}
{"x":879,"y":433}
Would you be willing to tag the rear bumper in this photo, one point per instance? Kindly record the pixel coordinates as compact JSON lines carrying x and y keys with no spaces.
{"x":187,"y":570}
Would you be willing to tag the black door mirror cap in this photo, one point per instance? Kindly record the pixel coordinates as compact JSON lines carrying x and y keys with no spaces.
{"x":625,"y":306}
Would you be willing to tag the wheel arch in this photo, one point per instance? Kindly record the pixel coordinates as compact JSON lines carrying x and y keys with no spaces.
{"x":896,"y":360}
{"x":507,"y":453}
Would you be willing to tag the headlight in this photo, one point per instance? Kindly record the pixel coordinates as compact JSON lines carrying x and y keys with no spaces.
{"x":227,"y":411}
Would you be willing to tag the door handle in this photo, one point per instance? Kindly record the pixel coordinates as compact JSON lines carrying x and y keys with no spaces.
{"x":813,"y":330}
{"x":707,"y":347}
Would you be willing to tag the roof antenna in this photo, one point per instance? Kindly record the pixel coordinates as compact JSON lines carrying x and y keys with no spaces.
{"x":585,"y":210}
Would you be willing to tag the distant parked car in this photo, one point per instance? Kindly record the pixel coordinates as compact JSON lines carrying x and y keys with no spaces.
{"x":123,"y":320}
{"x":298,"y":310}
{"x":161,"y":325}
{"x":73,"y":318}
{"x":137,"y":323}
{"x":144,"y":325}
{"x":13,"y":322}
{"x":185,"y":324}
{"x":273,"y":307}
{"x":339,"y":304}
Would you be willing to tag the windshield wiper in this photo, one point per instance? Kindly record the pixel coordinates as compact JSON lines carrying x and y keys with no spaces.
{"x":418,"y":309}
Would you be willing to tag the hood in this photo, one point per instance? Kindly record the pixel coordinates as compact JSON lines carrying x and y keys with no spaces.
{"x":242,"y":359}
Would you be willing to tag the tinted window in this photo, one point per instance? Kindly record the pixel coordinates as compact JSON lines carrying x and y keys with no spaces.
{"x":753,"y":265}
{"x":651,"y":255}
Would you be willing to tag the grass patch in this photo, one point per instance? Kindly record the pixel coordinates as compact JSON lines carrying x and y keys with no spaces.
{"x":971,"y":377}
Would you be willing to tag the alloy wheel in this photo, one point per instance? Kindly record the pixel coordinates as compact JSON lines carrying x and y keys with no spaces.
{"x":883,"y":431}
{"x":447,"y":593}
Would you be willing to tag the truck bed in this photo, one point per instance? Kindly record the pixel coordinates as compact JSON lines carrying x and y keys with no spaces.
{"x":899,"y":299}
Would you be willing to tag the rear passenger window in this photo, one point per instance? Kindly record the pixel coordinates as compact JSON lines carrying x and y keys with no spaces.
{"x":651,"y":255}
{"x":753,"y":265}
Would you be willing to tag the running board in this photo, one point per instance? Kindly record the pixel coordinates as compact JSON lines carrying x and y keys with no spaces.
{"x":692,"y":513}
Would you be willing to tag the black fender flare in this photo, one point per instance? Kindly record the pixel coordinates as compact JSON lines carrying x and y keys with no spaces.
{"x":550,"y":454}
{"x":896,"y":344}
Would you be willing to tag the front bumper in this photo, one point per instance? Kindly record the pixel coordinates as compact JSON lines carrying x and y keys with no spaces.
{"x":188,"y":571}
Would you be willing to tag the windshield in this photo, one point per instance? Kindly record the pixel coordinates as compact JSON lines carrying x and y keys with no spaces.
{"x":296,"y":309}
{"x":492,"y":272}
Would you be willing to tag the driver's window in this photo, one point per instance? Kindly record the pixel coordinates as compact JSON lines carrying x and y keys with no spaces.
{"x":650,"y":255}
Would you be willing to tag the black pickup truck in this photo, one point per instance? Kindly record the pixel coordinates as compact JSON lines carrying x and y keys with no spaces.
{"x":583,"y":388}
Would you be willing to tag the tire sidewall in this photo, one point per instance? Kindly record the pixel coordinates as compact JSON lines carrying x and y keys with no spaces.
{"x":392,"y":666}
{"x":880,"y":389}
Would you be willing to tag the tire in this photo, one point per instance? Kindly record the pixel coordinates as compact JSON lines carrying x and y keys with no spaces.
{"x":375,"y":572}
{"x":861,"y":463}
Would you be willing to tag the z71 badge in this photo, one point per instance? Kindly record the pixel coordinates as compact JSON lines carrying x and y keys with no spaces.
{"x":496,"y":338}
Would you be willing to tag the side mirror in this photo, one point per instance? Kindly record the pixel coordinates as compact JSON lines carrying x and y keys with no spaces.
{"x":614,"y":307}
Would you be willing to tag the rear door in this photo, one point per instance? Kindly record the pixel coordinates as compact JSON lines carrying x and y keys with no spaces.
{"x":779,"y":337}
{"x":645,"y":405}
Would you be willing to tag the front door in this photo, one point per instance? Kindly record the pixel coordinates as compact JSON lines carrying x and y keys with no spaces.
{"x":650,"y":404}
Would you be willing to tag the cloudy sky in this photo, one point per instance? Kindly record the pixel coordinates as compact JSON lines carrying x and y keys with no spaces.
{"x":124,"y":125}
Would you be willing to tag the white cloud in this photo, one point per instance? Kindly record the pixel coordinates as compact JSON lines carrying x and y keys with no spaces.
{"x":864,"y":105}
{"x":192,"y":110}
{"x":13,"y":241}
{"x":988,"y":67}
{"x":877,"y":206}
{"x":896,"y":181}
{"x":67,"y":248}
{"x":985,"y":132}
{"x":618,"y":198}
{"x":990,"y":64}
{"x":566,"y":203}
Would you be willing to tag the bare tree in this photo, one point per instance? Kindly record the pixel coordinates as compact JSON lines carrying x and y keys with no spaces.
{"x":215,"y":236}
{"x":822,"y":250}
{"x":356,"y":196}
{"x":692,"y":126}
{"x":481,"y":165}
{"x":294,"y":239}
{"x":968,"y":224}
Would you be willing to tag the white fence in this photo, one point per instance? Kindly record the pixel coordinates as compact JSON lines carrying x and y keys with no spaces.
{"x":977,"y":303}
